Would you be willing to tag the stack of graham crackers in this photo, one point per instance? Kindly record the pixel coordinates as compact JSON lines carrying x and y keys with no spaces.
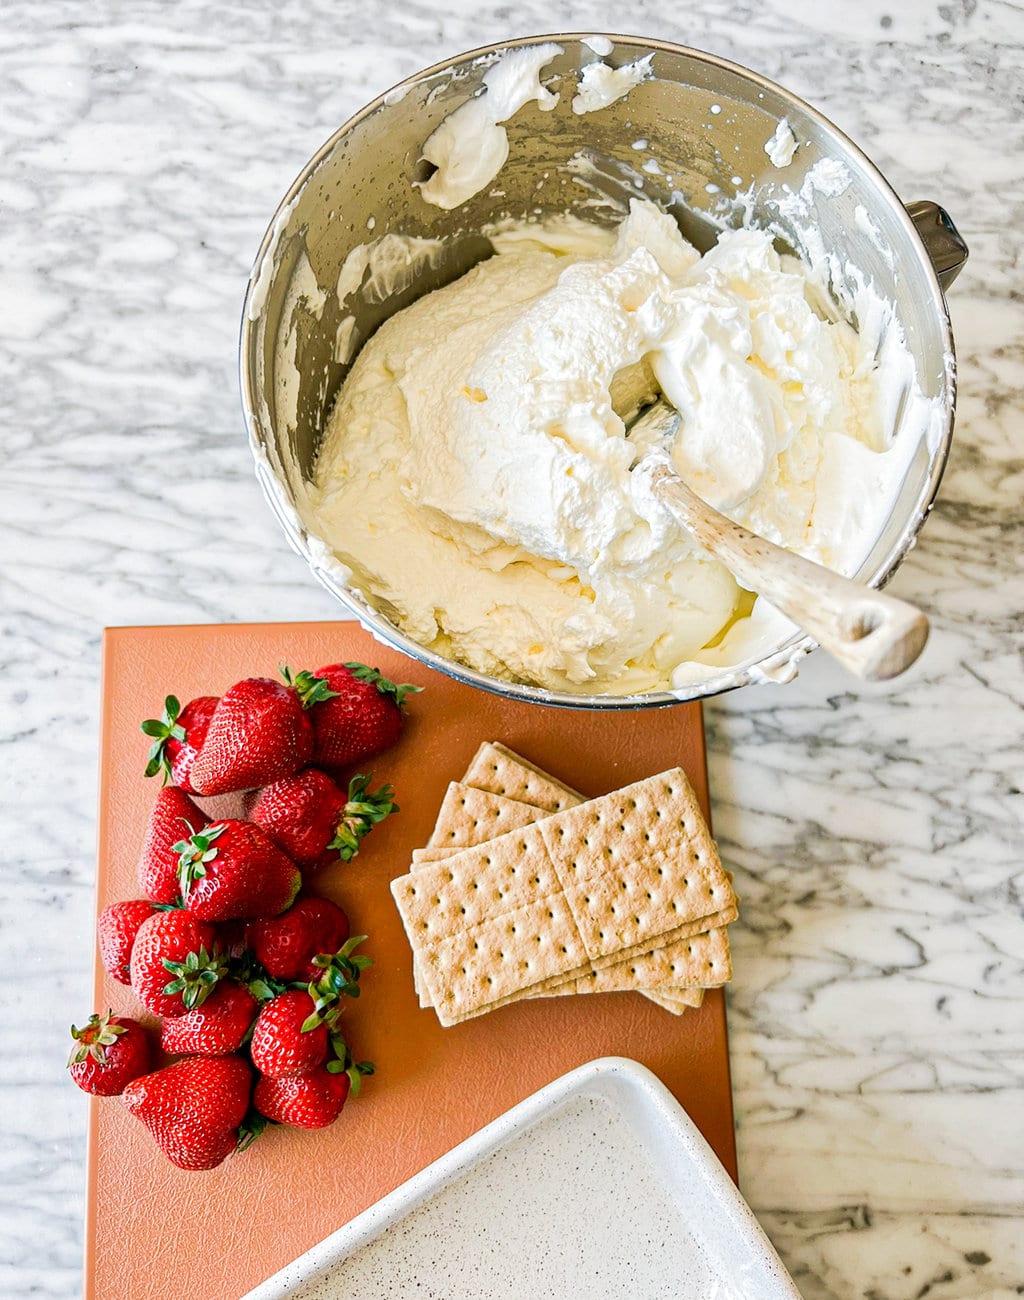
{"x":526,"y":889}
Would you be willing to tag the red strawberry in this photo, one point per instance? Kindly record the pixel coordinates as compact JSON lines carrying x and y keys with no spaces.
{"x":315,"y":822}
{"x":259,"y":733}
{"x":175,"y":963}
{"x":311,"y":1100}
{"x":281,"y":1042}
{"x":217,"y":1027}
{"x":294,"y":1030}
{"x":116,"y":929}
{"x":173,"y":817}
{"x":286,"y":945}
{"x":177,"y":737}
{"x":194,"y":1108}
{"x":108,"y":1054}
{"x":233,"y":869}
{"x":356,"y":712}
{"x":231,"y":935}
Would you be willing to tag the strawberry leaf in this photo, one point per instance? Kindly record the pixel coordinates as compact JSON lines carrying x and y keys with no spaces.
{"x":251,"y":1127}
{"x":161,"y":730}
{"x":263,"y":989}
{"x":357,"y":1072}
{"x":340,"y":979}
{"x":196,"y":976}
{"x":342,"y":1063}
{"x":194,"y":853}
{"x":93,"y":1038}
{"x":364,"y":673}
{"x":310,"y":690}
{"x":248,"y":971}
{"x":365,"y":809}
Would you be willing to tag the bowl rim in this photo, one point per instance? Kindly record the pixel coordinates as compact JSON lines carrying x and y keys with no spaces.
{"x":728,"y":679}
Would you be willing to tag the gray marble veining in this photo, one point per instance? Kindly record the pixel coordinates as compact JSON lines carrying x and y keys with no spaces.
{"x":877,"y":1015}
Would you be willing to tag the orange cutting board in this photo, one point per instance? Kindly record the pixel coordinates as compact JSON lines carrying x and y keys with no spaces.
{"x":154,"y":1232}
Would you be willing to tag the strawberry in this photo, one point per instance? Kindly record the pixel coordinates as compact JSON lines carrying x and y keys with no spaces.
{"x":175,"y":963}
{"x":259,"y":732}
{"x":355,"y":710}
{"x":116,"y":929}
{"x":217,"y":1027}
{"x":231,"y":935}
{"x":294,"y":1030}
{"x":315,"y":822}
{"x":177,"y":737}
{"x":310,"y":1100}
{"x":285,"y":945}
{"x":313,"y":1099}
{"x":281,"y":1044}
{"x":174,"y":815}
{"x":109,"y":1052}
{"x":233,"y":869}
{"x":194,"y":1108}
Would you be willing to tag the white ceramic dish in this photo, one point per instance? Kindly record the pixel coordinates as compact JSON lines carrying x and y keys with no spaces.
{"x":598,"y":1184}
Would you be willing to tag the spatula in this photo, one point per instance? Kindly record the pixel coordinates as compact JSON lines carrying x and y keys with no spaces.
{"x":872,"y":635}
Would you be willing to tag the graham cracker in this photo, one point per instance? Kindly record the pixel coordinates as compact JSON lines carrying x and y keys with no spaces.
{"x":460,"y":818}
{"x":704,"y":954}
{"x":498,"y":770}
{"x":674,"y":1006}
{"x":580,"y":890}
{"x":469,"y":816}
{"x":673,"y":1002}
{"x":632,"y":973}
{"x":684,"y":994}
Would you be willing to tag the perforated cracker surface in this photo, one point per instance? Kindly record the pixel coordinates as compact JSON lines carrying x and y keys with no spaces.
{"x":454,"y":911}
{"x":499,"y":771}
{"x":469,"y":816}
{"x":685,"y":955}
{"x":470,"y":813}
{"x":637,"y":862}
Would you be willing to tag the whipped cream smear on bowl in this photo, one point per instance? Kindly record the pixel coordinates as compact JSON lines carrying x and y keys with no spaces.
{"x":475,"y":475}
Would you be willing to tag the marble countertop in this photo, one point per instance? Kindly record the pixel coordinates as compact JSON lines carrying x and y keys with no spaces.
{"x":877,"y":1014}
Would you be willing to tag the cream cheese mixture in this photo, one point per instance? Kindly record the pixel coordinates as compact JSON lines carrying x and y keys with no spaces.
{"x":476,"y":474}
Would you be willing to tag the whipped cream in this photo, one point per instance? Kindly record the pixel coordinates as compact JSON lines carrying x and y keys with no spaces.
{"x":386,"y":266}
{"x":470,"y":146}
{"x":782,"y":145}
{"x":601,"y":85}
{"x":601,"y":45}
{"x":477,"y":479}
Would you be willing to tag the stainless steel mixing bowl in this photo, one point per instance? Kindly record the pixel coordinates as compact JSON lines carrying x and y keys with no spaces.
{"x":706,"y":121}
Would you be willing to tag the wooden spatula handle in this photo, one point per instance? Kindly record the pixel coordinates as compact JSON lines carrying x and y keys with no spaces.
{"x":873,"y":635}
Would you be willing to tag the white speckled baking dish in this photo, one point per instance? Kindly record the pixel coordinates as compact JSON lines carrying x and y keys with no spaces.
{"x":598,"y":1184}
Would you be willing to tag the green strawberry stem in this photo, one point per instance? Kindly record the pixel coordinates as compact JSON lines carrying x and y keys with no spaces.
{"x":193,"y":855}
{"x":266,"y":988}
{"x":91,"y":1040}
{"x":386,"y":687}
{"x":365,"y":809}
{"x":251,"y":1128}
{"x":341,"y":972}
{"x":196,"y":977}
{"x":344,"y":1064}
{"x":161,"y":730}
{"x":310,"y":690}
{"x":263,"y":986}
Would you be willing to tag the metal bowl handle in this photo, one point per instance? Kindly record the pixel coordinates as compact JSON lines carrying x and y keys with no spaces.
{"x":942,"y":240}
